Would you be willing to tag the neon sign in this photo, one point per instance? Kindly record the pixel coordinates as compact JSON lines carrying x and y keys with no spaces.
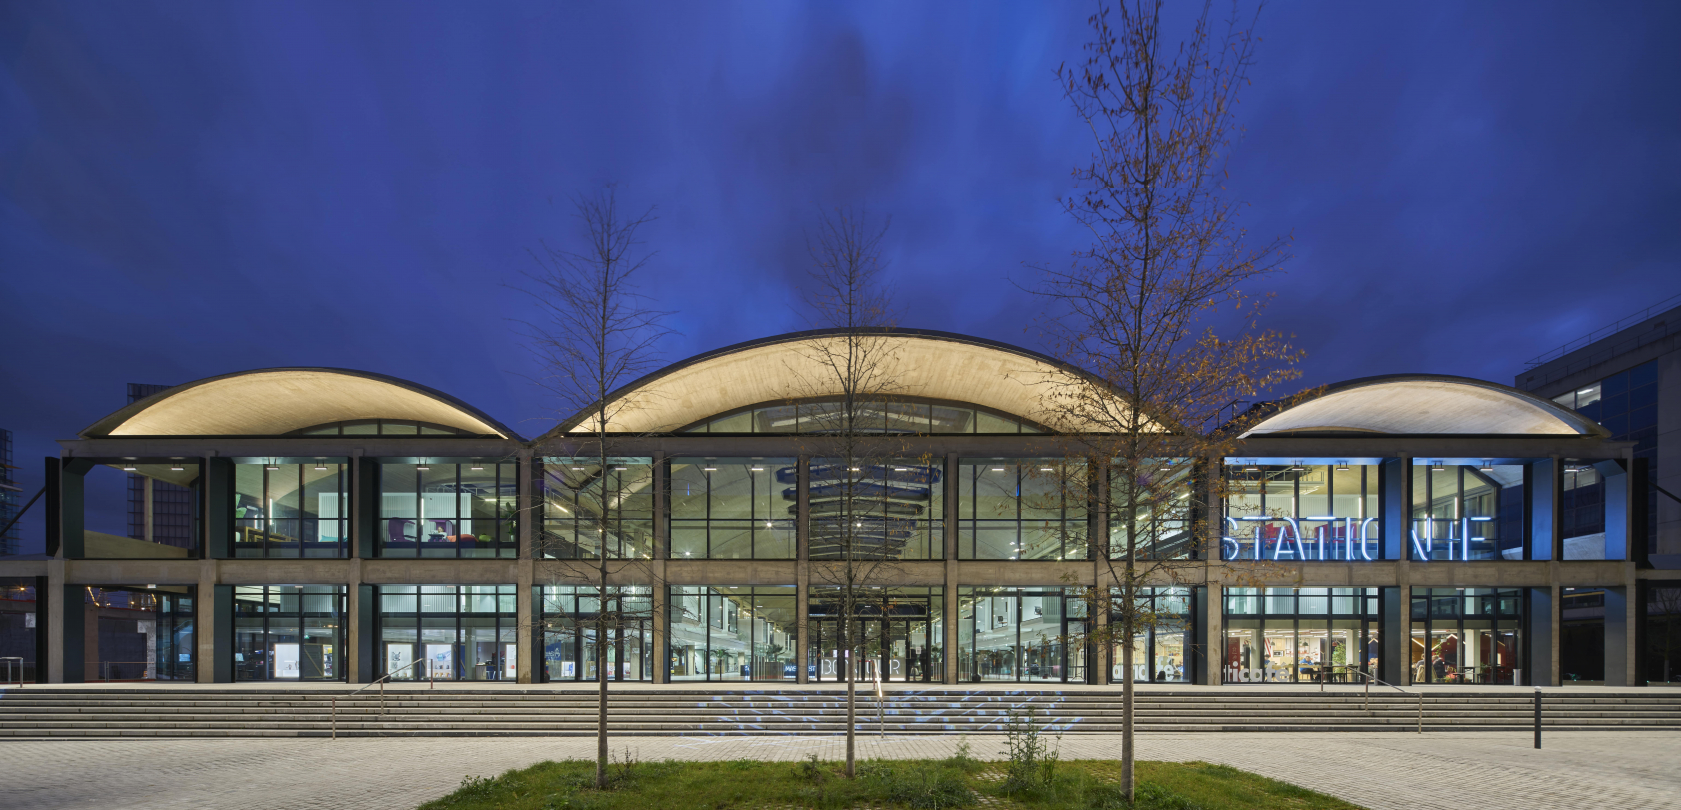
{"x":1324,"y":541}
{"x":1424,"y":546}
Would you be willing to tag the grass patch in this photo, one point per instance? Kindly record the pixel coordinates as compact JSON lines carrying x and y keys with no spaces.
{"x":954,"y":782}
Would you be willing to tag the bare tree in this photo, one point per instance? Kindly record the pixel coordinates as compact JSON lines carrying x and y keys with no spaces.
{"x":858,"y":527}
{"x":1137,"y":308}
{"x":596,"y":332}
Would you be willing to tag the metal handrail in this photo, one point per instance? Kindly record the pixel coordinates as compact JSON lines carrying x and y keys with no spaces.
{"x":9,"y":659}
{"x":1370,"y":678}
{"x":432,"y":683}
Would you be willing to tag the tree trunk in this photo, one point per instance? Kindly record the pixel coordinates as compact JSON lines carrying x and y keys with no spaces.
{"x":601,"y":699}
{"x":1126,"y":715}
{"x":851,"y":699}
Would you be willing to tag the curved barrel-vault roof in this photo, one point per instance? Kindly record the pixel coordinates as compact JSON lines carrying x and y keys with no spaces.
{"x":924,"y":364}
{"x":273,"y":401}
{"x":1427,"y":404}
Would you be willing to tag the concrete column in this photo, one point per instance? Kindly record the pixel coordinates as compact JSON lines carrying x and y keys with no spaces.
{"x":662,"y":587}
{"x":1544,"y":482}
{"x":1395,"y":637}
{"x":364,"y":612}
{"x":1619,"y":637}
{"x":802,"y":569}
{"x":147,"y":533}
{"x":356,"y":668}
{"x":1395,"y":641}
{"x":948,"y":600}
{"x":63,"y":626}
{"x":216,"y":489}
{"x":1214,"y":634}
{"x":1618,"y":514}
{"x":528,"y":603}
{"x":1542,"y":639}
{"x":206,"y":622}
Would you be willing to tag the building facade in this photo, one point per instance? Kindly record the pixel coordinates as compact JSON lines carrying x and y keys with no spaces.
{"x":1626,"y":377}
{"x":349,"y":525}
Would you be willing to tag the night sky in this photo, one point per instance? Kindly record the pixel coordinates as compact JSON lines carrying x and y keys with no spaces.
{"x":189,"y":189}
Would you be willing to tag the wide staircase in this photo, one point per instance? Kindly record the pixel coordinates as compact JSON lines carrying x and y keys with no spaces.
{"x":210,"y":712}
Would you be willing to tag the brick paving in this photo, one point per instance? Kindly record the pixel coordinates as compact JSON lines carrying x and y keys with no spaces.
{"x":1450,"y":771}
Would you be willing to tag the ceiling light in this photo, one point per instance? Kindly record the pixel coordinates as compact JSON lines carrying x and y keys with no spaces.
{"x":1296,"y":466}
{"x":997,"y":469}
{"x":422,"y":467}
{"x":272,"y":467}
{"x":477,"y":468}
{"x":128,"y":467}
{"x":1342,"y":466}
{"x":709,"y":469}
{"x":1436,"y":466}
{"x":177,"y":467}
{"x":1487,"y":465}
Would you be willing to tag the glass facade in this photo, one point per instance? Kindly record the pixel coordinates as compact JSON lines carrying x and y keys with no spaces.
{"x":448,"y":508}
{"x":1625,"y":403}
{"x":1021,"y":509}
{"x":1162,"y":505}
{"x":1582,"y":509}
{"x":380,"y":427}
{"x":733,"y":508}
{"x":1457,"y":508}
{"x":729,"y":633}
{"x":571,"y":624}
{"x":19,"y":622}
{"x":1021,"y":634}
{"x":291,"y":507}
{"x":448,"y":632}
{"x":1166,"y":650}
{"x":887,"y":510}
{"x":288,"y":632}
{"x":899,"y":416}
{"x":1298,"y":511}
{"x":143,"y":634}
{"x":589,"y":511}
{"x":1466,"y":635}
{"x":897,"y":633}
{"x":1296,"y":635}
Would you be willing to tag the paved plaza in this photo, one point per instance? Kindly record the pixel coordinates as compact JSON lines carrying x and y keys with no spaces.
{"x":1447,"y":770}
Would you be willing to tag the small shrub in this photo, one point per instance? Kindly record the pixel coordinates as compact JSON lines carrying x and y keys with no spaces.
{"x":810,"y":770}
{"x":1033,"y":761}
{"x":476,"y":787}
{"x":963,"y":758}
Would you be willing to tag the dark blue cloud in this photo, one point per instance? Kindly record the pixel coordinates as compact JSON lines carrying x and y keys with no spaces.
{"x":189,"y":188}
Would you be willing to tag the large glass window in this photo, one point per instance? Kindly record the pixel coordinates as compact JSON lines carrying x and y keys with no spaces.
{"x":449,"y":632}
{"x":1626,"y":403}
{"x":571,"y":622}
{"x":1301,"y":510}
{"x":877,"y":510}
{"x":1457,"y":507}
{"x":448,"y":508}
{"x":587,"y":508}
{"x":899,"y":416}
{"x":1021,"y":509}
{"x":1021,"y":634}
{"x":288,"y":632}
{"x":728,"y":633}
{"x":291,"y":507}
{"x":1582,"y":508}
{"x":1164,"y":651}
{"x":733,"y":508}
{"x":19,"y":622}
{"x":144,"y":634}
{"x":1466,"y":635}
{"x":895,"y":632}
{"x":1161,"y":505}
{"x":1289,"y":635}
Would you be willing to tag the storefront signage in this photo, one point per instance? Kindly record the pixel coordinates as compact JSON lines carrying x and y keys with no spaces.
{"x":1302,"y":544}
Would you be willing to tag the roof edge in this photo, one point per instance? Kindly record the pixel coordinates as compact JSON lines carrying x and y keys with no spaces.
{"x":1584,"y":425}
{"x":795,"y":337}
{"x":103,"y":427}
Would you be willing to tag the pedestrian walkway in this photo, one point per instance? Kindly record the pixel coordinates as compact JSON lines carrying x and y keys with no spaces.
{"x":1389,"y":771}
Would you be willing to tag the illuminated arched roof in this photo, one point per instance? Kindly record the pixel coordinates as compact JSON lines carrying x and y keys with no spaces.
{"x":1427,"y":404}
{"x":922,"y":364}
{"x":270,"y":402}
